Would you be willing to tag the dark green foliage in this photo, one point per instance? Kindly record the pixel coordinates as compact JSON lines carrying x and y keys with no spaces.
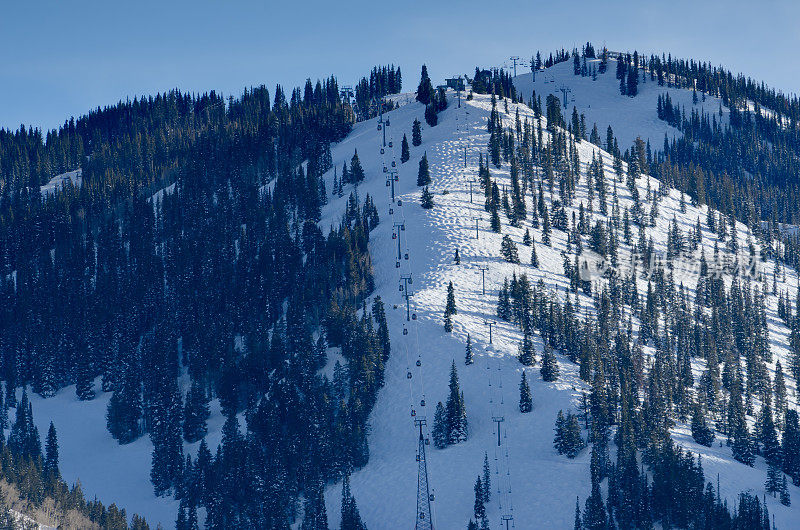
{"x":440,"y":432}
{"x":450,"y":308}
{"x":456,"y":412}
{"x":508,"y":249}
{"x":404,"y":152}
{"x":416,"y":133}
{"x":525,"y":396}
{"x":549,"y":369}
{"x":701,"y":432}
{"x":423,"y":175}
{"x":426,"y":201}
{"x":468,"y":355}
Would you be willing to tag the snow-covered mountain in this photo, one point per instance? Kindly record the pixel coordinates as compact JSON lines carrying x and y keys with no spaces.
{"x":537,"y":485}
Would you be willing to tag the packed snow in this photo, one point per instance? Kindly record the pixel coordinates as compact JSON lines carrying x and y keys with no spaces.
{"x":543,"y":484}
{"x":59,"y":181}
{"x":600,"y":101}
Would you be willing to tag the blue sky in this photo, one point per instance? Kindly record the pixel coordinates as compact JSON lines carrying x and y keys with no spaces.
{"x":59,"y":59}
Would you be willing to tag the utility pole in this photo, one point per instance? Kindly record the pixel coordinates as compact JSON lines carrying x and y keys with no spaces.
{"x":507,"y":518}
{"x":483,"y":269}
{"x":424,"y":496}
{"x":399,"y":227}
{"x":515,"y":59}
{"x":407,"y":294}
{"x":476,"y":226}
{"x":471,"y":181}
{"x":490,"y":323}
{"x":565,"y":91}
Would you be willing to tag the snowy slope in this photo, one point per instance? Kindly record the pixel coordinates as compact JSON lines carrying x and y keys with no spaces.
{"x":110,"y":472}
{"x":74,"y":177}
{"x":602,"y":103}
{"x":543,"y":484}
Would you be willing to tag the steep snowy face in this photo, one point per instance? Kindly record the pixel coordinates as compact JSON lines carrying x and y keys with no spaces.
{"x":598,"y":98}
{"x":529,"y":480}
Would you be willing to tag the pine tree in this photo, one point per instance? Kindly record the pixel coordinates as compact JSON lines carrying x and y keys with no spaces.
{"x":508,"y":249}
{"x":577,"y":525}
{"x":425,"y":91}
{"x":549,"y":369}
{"x":195,"y":414}
{"x":479,"y":507}
{"x":525,"y":398}
{"x":356,"y":171}
{"x":404,"y":152}
{"x":450,"y":308}
{"x":791,"y":446}
{"x":424,"y":175}
{"x":534,"y":257}
{"x":527,"y":354}
{"x":526,"y":239}
{"x":457,"y":258}
{"x":416,"y":133}
{"x":427,"y":199}
{"x":440,"y":432}
{"x":468,"y":356}
{"x":456,"y":413}
{"x":351,"y":518}
{"x":50,"y":467}
{"x":701,"y":433}
{"x":487,"y":479}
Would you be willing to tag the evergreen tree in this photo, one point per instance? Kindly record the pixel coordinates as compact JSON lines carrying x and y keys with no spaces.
{"x":549,"y":369}
{"x":701,"y":433}
{"x":416,"y":133}
{"x":450,"y":308}
{"x":427,"y":199}
{"x":479,"y":508}
{"x":440,"y":431}
{"x":195,"y":414}
{"x":351,"y":518}
{"x":356,"y":171}
{"x":468,"y":356}
{"x":525,"y":398}
{"x":404,"y":152}
{"x":508,"y":249}
{"x":425,"y":91}
{"x":456,"y":413}
{"x":50,"y":467}
{"x":424,"y":175}
{"x":534,"y":257}
{"x":527,"y":353}
{"x":487,"y":479}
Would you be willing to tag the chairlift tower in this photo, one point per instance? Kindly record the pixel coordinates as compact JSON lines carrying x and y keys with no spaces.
{"x":565,"y":91}
{"x":490,"y":323}
{"x":399,"y":228}
{"x":407,"y":294}
{"x":391,"y":178}
{"x":483,"y":269}
{"x":514,"y":58}
{"x":424,"y":495}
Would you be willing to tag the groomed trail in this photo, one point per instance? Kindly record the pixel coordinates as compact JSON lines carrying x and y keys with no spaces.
{"x":543,"y":484}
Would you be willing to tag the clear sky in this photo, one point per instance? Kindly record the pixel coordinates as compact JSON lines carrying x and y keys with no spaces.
{"x":60,"y":59}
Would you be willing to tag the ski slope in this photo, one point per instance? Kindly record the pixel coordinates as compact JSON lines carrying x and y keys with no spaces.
{"x":543,"y":484}
{"x":600,"y":101}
